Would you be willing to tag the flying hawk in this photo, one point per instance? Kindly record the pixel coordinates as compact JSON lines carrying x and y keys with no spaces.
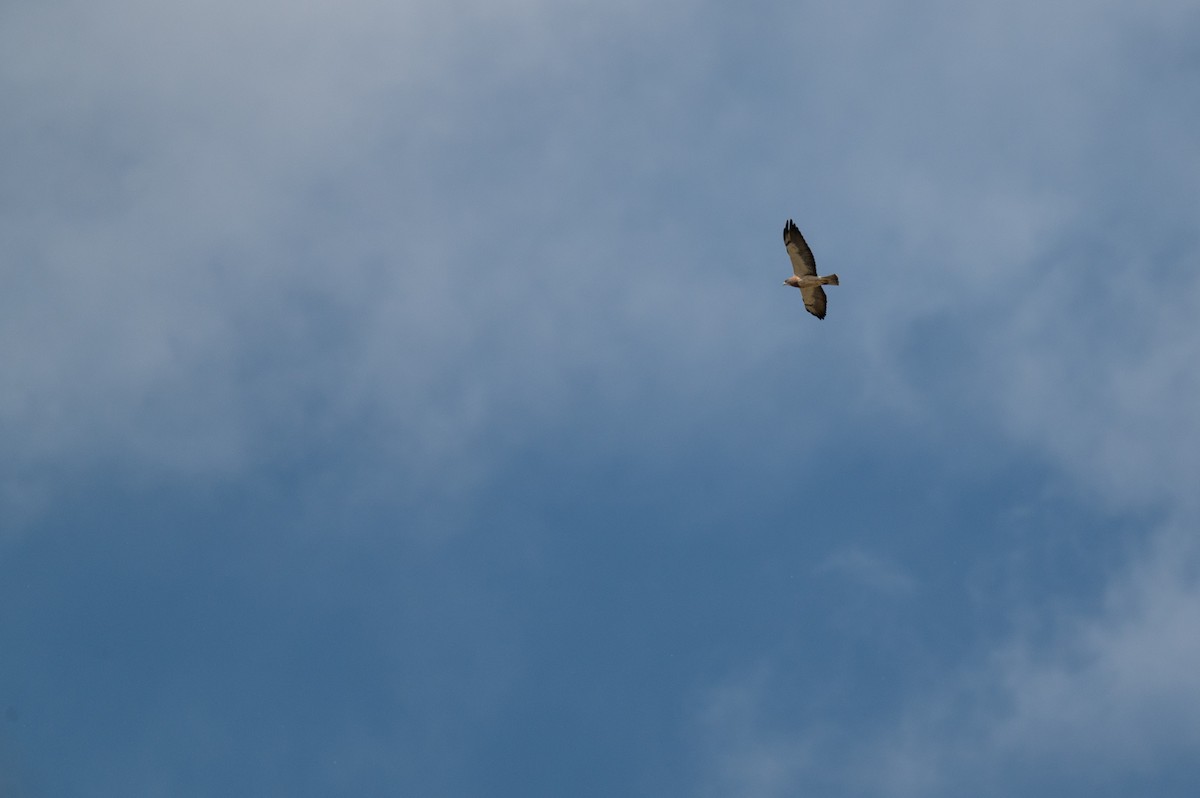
{"x":805,"y":268}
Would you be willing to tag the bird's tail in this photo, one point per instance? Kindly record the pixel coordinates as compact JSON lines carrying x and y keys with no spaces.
{"x":830,"y":280}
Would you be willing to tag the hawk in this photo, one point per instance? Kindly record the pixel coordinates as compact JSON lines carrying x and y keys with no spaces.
{"x":805,"y":268}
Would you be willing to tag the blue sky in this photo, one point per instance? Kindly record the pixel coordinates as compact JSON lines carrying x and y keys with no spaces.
{"x":402,"y":399}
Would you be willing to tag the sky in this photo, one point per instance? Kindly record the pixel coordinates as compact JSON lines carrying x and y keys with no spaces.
{"x":402,"y":398}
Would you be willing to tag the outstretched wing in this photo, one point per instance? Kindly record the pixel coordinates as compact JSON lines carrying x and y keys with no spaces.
{"x":803,"y":263}
{"x":814,"y":300}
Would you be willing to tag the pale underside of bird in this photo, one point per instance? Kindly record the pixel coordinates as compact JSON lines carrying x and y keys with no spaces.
{"x":804,"y":267}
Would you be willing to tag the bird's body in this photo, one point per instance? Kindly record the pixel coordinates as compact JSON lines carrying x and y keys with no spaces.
{"x":804,"y":268}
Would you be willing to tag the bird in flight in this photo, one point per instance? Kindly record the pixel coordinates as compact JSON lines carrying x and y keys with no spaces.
{"x":805,"y":268}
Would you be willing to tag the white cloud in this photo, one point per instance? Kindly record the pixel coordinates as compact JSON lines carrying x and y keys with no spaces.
{"x":1108,"y":393}
{"x":228,"y":219}
{"x":1092,"y":701}
{"x":1121,"y":690}
{"x":738,"y":758}
{"x":1114,"y":697}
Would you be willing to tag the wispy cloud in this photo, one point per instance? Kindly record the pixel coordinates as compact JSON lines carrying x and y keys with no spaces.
{"x":1103,"y":699}
{"x":868,"y":570}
